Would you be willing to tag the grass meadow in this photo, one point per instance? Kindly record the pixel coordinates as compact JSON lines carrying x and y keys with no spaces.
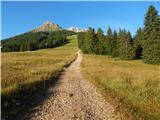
{"x":21,"y":71}
{"x":133,"y":87}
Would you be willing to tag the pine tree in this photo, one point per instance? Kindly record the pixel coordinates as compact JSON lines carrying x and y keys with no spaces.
{"x":115,"y":45}
{"x":90,"y":42}
{"x":100,"y":44}
{"x":81,"y":41}
{"x":126,"y":50}
{"x":138,"y":43}
{"x":28,"y":45}
{"x":94,"y":43}
{"x":22,"y":47}
{"x":151,"y":45}
{"x":109,"y":41}
{"x":130,"y":49}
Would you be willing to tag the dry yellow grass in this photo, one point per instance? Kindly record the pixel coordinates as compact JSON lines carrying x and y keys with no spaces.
{"x":133,"y":85}
{"x":28,"y":67}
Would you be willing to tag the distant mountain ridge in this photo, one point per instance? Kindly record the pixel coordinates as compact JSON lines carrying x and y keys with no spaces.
{"x":48,"y":27}
{"x":51,"y":27}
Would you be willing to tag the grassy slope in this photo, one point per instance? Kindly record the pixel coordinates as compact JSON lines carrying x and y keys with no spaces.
{"x":132,"y":86}
{"x":26,"y":75}
{"x":29,"y":67}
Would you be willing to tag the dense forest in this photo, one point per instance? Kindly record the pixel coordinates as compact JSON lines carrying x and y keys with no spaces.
{"x":145,"y":44}
{"x":35,"y":40}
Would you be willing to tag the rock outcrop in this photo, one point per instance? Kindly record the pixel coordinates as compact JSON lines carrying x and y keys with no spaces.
{"x":47,"y":27}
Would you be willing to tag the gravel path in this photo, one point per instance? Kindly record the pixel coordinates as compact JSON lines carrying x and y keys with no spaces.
{"x":74,"y":99}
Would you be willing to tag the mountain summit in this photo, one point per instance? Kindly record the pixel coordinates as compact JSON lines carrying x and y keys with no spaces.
{"x":47,"y":27}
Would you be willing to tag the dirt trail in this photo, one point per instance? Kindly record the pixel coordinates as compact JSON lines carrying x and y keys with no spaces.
{"x":74,"y":99}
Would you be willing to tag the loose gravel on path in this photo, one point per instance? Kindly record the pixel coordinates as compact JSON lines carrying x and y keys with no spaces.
{"x":73,"y":99}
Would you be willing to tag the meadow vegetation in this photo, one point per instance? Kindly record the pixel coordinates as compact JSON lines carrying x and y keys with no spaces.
{"x":133,"y":87}
{"x":22,"y":71}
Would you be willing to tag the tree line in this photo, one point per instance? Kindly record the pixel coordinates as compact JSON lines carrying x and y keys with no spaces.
{"x":35,"y":40}
{"x":144,"y":45}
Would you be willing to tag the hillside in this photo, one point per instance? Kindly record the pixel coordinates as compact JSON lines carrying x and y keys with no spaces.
{"x":48,"y":35}
{"x":20,"y":85}
{"x":30,"y":41}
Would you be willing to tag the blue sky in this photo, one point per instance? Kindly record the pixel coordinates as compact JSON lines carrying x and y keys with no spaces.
{"x":19,"y":17}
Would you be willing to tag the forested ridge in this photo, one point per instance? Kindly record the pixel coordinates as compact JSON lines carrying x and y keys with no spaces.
{"x":35,"y":40}
{"x":145,"y":44}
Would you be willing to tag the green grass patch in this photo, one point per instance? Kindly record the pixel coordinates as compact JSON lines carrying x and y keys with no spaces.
{"x":133,"y":87}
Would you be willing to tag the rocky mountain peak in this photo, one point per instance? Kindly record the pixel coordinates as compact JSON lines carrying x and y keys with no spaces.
{"x":47,"y":27}
{"x":49,"y":23}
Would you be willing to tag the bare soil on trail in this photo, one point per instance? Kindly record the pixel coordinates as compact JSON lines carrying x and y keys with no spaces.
{"x":73,"y":98}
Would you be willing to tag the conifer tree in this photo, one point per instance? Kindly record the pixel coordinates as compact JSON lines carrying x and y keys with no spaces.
{"x":138,"y":43}
{"x":126,"y":50}
{"x":94,"y":43}
{"x":90,"y":41}
{"x":109,"y":41}
{"x":81,"y":41}
{"x":151,"y":45}
{"x":115,"y":45}
{"x":101,"y":38}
